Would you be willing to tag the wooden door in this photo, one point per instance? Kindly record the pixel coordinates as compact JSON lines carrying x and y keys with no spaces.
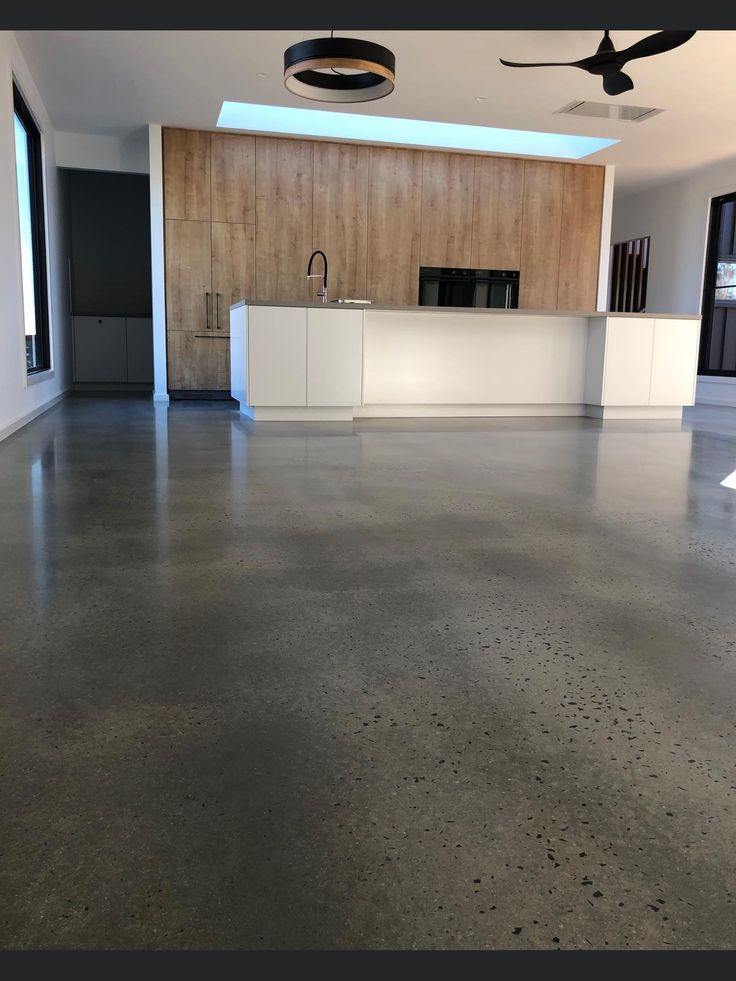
{"x":198,"y":361}
{"x":188,"y":275}
{"x":580,"y":237}
{"x":394,"y":220}
{"x":498,"y":200}
{"x":186,"y":174}
{"x":341,"y":215}
{"x":284,"y":177}
{"x":233,"y":269}
{"x":447,"y":209}
{"x":233,"y":177}
{"x":540,"y":234}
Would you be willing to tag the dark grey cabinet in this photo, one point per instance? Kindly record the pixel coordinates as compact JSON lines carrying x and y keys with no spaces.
{"x":99,"y":349}
{"x":113,"y":350}
{"x":107,"y":223}
{"x":139,"y":349}
{"x":109,"y":243}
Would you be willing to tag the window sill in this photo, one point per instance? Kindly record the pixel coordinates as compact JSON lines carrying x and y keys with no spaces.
{"x":34,"y":377}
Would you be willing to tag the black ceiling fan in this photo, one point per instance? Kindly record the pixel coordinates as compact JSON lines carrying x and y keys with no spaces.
{"x":609,"y":62}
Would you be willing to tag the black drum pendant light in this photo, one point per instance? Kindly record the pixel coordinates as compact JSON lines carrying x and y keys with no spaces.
{"x":339,"y":69}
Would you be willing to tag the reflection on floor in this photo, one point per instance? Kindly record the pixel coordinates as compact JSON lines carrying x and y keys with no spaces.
{"x":455,"y":683}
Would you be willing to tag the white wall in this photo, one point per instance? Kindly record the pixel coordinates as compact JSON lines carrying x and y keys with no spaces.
{"x":676,"y":217}
{"x":158,"y":281}
{"x":93,"y":151}
{"x":22,"y":397}
{"x":604,"y":257}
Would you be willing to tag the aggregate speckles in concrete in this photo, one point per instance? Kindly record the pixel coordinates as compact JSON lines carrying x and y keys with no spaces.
{"x":418,"y":685}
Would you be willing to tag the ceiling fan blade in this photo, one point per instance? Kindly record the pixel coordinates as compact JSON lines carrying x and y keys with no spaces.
{"x":653,"y":45}
{"x":539,"y":64}
{"x":614,"y":83}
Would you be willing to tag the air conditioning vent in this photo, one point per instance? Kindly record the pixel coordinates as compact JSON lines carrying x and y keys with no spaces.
{"x":609,"y":110}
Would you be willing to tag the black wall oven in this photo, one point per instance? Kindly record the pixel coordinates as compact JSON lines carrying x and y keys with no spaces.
{"x":445,"y":287}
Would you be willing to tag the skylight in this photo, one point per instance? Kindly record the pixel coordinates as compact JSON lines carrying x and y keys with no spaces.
{"x":412,"y":132}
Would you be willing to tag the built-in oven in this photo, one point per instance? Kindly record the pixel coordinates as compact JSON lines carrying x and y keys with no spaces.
{"x":441,"y":286}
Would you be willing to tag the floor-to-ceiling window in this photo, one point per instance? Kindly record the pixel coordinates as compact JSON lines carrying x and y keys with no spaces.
{"x":718,"y":334}
{"x":29,"y":174}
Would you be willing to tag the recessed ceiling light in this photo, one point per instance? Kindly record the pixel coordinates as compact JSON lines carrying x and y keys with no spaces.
{"x":411,"y":132}
{"x":261,"y":74}
{"x":481,"y":98}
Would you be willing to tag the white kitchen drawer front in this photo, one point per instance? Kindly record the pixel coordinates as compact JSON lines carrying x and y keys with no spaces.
{"x":628,"y":361}
{"x":334,"y":357}
{"x":277,"y":356}
{"x":673,"y":362}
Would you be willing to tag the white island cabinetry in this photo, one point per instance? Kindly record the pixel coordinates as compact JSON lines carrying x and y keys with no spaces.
{"x":277,"y":353}
{"x":640,"y":367}
{"x":295,"y":362}
{"x":290,"y":362}
{"x":334,"y":357}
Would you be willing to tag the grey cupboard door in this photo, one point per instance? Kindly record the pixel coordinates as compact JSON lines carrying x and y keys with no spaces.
{"x":139,"y":338}
{"x":99,"y":349}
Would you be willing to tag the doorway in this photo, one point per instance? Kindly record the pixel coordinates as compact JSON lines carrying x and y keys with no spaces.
{"x":718,"y":332}
{"x":109,"y":272}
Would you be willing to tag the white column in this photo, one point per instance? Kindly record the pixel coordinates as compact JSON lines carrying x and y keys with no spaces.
{"x":605,"y":250}
{"x":155,"y":156}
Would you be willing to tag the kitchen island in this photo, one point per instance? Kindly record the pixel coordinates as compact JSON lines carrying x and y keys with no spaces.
{"x":340,"y":361}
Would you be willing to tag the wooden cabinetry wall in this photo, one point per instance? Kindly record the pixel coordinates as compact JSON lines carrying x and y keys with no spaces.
{"x":243,"y":213}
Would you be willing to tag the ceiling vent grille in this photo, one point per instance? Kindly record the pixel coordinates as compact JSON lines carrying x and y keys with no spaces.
{"x":609,"y":110}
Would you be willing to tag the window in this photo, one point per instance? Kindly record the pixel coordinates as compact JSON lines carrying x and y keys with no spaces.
{"x":718,"y":332}
{"x":29,"y":174}
{"x":629,"y":273}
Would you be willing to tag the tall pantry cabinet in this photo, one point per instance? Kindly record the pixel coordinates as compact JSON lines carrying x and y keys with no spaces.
{"x":209,"y":213}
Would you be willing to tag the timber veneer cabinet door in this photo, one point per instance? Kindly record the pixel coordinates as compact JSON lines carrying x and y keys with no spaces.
{"x":580,"y":237}
{"x":340,"y":221}
{"x":447,"y":209}
{"x":233,"y":269}
{"x":284,"y":181}
{"x":197,"y":362}
{"x":394,"y":224}
{"x":498,"y":203}
{"x":540,"y":235}
{"x":188,"y":252}
{"x":186,"y":174}
{"x":197,"y":359}
{"x":233,"y":178}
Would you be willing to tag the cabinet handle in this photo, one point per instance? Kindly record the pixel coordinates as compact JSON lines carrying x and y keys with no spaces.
{"x":217,"y":311}
{"x":207,"y":311}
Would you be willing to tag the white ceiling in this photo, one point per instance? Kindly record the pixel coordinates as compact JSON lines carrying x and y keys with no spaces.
{"x":116,"y":82}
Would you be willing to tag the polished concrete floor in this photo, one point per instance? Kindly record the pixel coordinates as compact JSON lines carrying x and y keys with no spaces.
{"x":465,"y":684}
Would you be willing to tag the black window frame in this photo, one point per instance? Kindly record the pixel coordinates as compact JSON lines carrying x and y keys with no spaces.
{"x":709,"y":279}
{"x":38,"y":231}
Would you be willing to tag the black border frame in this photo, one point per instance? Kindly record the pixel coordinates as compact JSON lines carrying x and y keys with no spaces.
{"x":38,"y":229}
{"x":707,"y":302}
